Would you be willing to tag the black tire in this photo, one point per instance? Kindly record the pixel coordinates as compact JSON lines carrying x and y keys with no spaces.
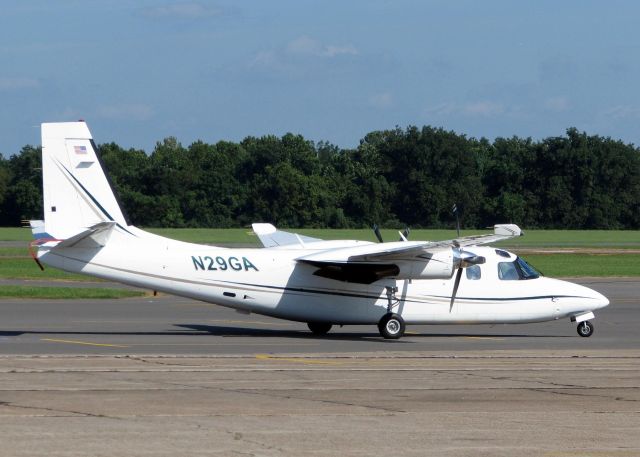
{"x":319,"y":328}
{"x":391,"y":326}
{"x":585,"y":329}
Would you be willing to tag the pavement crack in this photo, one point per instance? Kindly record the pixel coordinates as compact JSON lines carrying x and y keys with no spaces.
{"x":242,"y":438}
{"x":272,"y":394}
{"x":58,"y":412}
{"x":584,"y":394}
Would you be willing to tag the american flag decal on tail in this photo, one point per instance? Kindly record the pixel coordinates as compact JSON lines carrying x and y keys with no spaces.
{"x":80,"y":149}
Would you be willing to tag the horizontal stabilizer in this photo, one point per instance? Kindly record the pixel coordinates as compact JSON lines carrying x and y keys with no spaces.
{"x":270,"y":237}
{"x":95,"y":236}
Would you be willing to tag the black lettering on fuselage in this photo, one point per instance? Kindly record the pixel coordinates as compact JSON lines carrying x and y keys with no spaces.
{"x":248,"y":264}
{"x":220,"y":263}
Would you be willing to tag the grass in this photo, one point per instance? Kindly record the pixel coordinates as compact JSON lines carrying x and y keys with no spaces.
{"x":26,"y":268}
{"x":619,"y":239}
{"x":577,"y":265}
{"x":15,"y":234}
{"x":532,"y":238}
{"x":66,"y":292}
{"x":15,"y":262}
{"x":15,"y":252}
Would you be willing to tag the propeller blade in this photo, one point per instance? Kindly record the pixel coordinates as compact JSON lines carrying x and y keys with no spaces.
{"x":404,"y":236}
{"x":455,"y":288}
{"x":455,"y":210}
{"x":376,"y":230}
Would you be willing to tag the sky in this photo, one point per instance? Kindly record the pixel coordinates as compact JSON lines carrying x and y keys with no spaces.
{"x":141,"y":71}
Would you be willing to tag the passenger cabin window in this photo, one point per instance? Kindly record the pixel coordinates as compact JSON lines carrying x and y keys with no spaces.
{"x":474,"y":272}
{"x":516,"y":270}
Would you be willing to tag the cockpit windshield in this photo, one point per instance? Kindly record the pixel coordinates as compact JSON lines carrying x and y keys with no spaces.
{"x":516,"y":270}
{"x":526,"y":270}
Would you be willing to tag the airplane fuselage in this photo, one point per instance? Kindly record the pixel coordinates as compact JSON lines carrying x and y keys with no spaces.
{"x":271,"y":282}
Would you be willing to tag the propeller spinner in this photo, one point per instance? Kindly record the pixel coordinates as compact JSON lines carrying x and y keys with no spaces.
{"x":463,"y":259}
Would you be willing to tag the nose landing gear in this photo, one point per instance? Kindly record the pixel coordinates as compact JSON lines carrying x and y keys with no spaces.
{"x":585,"y":328}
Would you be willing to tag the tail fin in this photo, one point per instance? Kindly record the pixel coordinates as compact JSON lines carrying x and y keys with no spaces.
{"x":77,"y":194}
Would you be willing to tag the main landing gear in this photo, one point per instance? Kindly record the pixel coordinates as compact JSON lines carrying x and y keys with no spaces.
{"x":319,"y":328}
{"x":391,"y":326}
{"x":585,"y":328}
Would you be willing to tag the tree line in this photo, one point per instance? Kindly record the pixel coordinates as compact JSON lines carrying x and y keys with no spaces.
{"x":411,"y":176}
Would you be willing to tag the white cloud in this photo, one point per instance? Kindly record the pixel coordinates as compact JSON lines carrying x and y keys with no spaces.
{"x":134,"y":112}
{"x":304,"y":45}
{"x":307,"y":46}
{"x":621,"y":112}
{"x":381,"y":100}
{"x":184,"y":10}
{"x":483,"y":108}
{"x":557,"y":104}
{"x":442,"y":109}
{"x":332,"y":51}
{"x":9,"y":84}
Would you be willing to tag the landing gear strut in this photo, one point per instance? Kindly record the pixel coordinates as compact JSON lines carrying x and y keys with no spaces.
{"x":391,"y":326}
{"x":585,"y":328}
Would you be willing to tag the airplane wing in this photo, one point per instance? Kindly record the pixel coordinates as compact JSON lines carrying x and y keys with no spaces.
{"x":408,"y":249}
{"x":403,"y":259}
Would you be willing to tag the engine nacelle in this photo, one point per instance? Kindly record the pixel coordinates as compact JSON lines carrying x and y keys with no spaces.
{"x":439,"y":265}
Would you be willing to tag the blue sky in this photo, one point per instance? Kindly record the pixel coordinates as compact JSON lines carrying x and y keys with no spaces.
{"x":139,"y":71}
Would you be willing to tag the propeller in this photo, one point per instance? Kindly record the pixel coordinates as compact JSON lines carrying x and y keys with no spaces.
{"x":376,"y":230}
{"x":462,"y":259}
{"x":455,"y":288}
{"x":454,"y":210}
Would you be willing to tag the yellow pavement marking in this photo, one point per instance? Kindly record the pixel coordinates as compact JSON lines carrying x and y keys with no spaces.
{"x":84,"y":343}
{"x":297,"y":360}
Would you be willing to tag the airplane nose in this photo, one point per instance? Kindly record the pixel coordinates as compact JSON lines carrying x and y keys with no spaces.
{"x":600,"y":300}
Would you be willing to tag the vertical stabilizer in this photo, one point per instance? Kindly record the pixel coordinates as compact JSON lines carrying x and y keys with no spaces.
{"x":76,"y":190}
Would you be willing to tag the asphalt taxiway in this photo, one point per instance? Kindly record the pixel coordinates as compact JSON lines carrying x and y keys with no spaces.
{"x":165,"y":376}
{"x":173,"y":325}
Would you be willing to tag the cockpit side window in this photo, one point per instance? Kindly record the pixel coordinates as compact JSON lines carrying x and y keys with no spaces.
{"x":474,"y":272}
{"x":507,"y":271}
{"x":518,"y":269}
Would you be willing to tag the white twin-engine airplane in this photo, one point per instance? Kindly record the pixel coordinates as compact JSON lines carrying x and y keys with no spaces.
{"x":294,"y":277}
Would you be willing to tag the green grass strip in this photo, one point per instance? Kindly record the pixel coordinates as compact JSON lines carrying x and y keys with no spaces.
{"x":533,"y":238}
{"x":586,"y":265}
{"x":68,"y":293}
{"x":26,"y":268}
{"x":619,"y":239}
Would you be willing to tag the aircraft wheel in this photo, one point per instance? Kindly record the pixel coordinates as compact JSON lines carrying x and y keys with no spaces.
{"x":319,"y":328}
{"x":391,"y":326}
{"x":585,"y":328}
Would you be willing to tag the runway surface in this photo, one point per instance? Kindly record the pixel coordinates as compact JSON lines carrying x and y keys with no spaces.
{"x":172,"y":325}
{"x":166,"y":376}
